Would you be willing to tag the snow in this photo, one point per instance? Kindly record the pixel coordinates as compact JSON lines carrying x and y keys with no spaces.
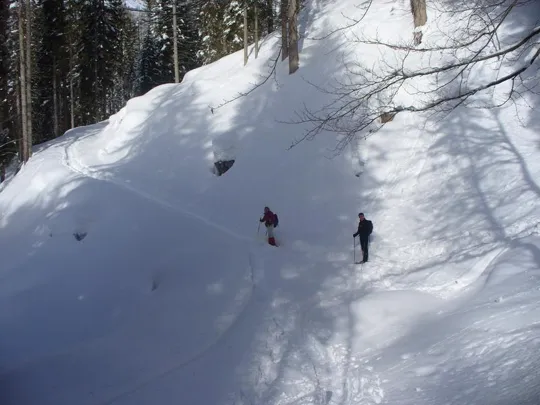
{"x":172,"y":295}
{"x":135,"y":4}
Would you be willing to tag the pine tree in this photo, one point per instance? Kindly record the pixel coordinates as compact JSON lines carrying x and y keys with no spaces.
{"x":73,"y":41}
{"x":126,"y":75}
{"x":4,"y":65}
{"x":24,"y":17}
{"x":147,"y":67}
{"x":212,"y":38}
{"x":268,"y":14}
{"x":52,"y":111}
{"x":233,"y":20}
{"x":6,"y":127}
{"x":189,"y":43}
{"x":148,"y":72}
{"x":164,"y":33}
{"x":222,"y":26}
{"x":100,"y":56}
{"x":11,"y":105}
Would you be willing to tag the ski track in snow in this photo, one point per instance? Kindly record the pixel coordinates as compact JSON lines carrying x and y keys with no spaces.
{"x":156,"y":375}
{"x":73,"y":163}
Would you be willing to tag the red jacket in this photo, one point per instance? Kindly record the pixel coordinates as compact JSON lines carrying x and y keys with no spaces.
{"x":268,"y":218}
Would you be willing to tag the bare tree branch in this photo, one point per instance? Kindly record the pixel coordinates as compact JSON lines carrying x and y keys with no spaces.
{"x":368,"y":96}
{"x":255,"y":87}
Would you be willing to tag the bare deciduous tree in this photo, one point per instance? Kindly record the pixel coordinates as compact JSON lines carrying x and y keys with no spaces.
{"x":418,"y":9}
{"x":370,"y":95}
{"x":294,"y":58}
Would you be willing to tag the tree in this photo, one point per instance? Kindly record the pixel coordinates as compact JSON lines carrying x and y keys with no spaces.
{"x":245,"y":34}
{"x":175,"y":43}
{"x":148,"y":68}
{"x":418,"y":9}
{"x":211,"y":31}
{"x":269,"y":13}
{"x":189,"y":39}
{"x":74,"y":29}
{"x":28,"y":62}
{"x":52,"y":71}
{"x":25,"y":75}
{"x":370,"y":95}
{"x":222,"y":28}
{"x":256,"y":29}
{"x":6,"y":122}
{"x":100,"y":56}
{"x":4,"y":65}
{"x":177,"y":37}
{"x":294,"y":59}
{"x":148,"y":74}
{"x":284,"y":7}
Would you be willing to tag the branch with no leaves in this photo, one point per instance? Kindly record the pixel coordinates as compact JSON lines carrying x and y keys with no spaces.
{"x":367,"y":97}
{"x":346,"y":27}
{"x":255,"y":87}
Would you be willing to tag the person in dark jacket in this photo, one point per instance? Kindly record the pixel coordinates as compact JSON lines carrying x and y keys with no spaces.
{"x":365,"y":227}
{"x":269,"y":221}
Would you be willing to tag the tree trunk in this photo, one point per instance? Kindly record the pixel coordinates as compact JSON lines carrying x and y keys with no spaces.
{"x":284,"y":31}
{"x":17,"y":127}
{"x":270,"y":16}
{"x":55,"y":100}
{"x":71,"y":92}
{"x":22,"y":87}
{"x":256,"y":30}
{"x":29,"y":77}
{"x":245,"y":34}
{"x":418,"y":9}
{"x":294,"y":59}
{"x":175,"y":44}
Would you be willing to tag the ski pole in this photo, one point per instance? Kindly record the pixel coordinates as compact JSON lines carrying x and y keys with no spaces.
{"x":354,"y":249}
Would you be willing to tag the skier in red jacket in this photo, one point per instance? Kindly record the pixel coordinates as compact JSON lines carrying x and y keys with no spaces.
{"x":269,"y":219}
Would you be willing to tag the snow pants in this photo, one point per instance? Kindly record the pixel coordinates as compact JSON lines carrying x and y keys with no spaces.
{"x":364,"y":245}
{"x":270,"y":233}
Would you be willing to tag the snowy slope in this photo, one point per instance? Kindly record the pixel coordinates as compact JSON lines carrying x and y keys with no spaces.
{"x":172,"y":297}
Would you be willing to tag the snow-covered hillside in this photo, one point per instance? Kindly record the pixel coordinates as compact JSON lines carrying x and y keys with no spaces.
{"x":132,"y":274}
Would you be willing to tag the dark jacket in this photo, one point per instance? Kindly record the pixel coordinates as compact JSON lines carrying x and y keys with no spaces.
{"x":268,"y":218}
{"x":365,"y":228}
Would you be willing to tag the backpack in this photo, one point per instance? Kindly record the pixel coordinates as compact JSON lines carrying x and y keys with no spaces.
{"x":276,"y":220}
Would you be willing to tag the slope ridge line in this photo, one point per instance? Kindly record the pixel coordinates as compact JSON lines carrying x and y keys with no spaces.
{"x":70,"y":161}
